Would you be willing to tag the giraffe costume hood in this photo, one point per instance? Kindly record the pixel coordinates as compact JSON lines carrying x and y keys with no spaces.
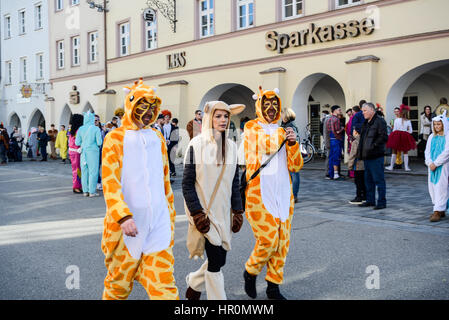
{"x":269,"y":197}
{"x":136,"y":185}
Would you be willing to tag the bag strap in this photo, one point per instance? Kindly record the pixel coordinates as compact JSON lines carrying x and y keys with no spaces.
{"x":266,"y":162}
{"x":214,"y":193}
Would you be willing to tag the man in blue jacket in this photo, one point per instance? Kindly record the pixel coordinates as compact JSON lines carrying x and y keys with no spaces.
{"x":358,"y":119}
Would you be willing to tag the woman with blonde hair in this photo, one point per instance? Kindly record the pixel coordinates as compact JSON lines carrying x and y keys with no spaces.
{"x":288,"y":117}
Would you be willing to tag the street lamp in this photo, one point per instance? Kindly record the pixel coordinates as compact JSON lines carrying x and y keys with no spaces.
{"x":167,"y":8}
{"x":102,"y":8}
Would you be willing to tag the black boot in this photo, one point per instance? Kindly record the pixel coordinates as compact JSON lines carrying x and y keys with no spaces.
{"x":273,"y":292}
{"x":250,"y":284}
{"x":192,"y":294}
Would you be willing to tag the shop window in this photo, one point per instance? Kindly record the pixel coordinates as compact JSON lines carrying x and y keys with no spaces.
{"x":292,"y":9}
{"x":206,"y":18}
{"x":245,"y":14}
{"x":346,"y":3}
{"x":412,"y":102}
{"x":151,"y":34}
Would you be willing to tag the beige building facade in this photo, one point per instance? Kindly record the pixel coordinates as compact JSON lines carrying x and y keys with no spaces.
{"x":77,"y":60}
{"x":316,"y":52}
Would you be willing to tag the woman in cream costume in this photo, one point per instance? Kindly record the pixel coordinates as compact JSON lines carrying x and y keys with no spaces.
{"x":212,"y":157}
{"x":139,"y":222}
{"x":269,"y":197}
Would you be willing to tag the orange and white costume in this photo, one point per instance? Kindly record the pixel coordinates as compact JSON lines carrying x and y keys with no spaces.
{"x":136,"y":183}
{"x":269,"y":197}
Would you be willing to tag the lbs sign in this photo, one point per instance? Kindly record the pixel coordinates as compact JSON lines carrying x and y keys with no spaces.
{"x":314,"y":34}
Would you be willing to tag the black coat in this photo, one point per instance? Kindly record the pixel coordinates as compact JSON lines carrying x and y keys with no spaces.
{"x":373,"y":139}
{"x":43,"y":139}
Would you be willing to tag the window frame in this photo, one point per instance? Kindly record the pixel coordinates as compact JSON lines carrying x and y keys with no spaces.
{"x":294,"y":4}
{"x":77,"y":49}
{"x":152,"y":28}
{"x":7,"y":26}
{"x":91,"y":43}
{"x":22,"y":24}
{"x":207,"y":12}
{"x":8,"y":72}
{"x":246,"y":3}
{"x":38,"y":21}
{"x":39,"y":66}
{"x":127,"y":36}
{"x":23,"y":69}
{"x":72,"y":2}
{"x":57,"y":8}
{"x":350,"y":4}
{"x":60,"y":58}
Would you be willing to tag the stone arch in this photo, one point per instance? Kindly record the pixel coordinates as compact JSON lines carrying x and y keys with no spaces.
{"x":14,"y":121}
{"x":66,"y":114}
{"x":36,"y":119}
{"x":88,"y":107}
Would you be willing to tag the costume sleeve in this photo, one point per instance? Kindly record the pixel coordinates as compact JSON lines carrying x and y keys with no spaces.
{"x":189,"y":129}
{"x":236,"y":198}
{"x":78,"y":139}
{"x":98,"y":137}
{"x":352,"y":154}
{"x":444,"y":156}
{"x":427,"y":158}
{"x":294,"y":157}
{"x":58,"y":143}
{"x":188,"y":184}
{"x":409,"y":127}
{"x":111,"y":170}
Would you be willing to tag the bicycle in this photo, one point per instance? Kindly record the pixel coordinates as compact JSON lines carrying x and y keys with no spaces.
{"x":308,"y":149}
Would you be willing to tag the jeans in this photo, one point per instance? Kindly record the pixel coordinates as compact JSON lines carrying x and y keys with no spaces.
{"x":374,"y":177}
{"x":359,"y":180}
{"x":334,"y":155}
{"x":43,"y":150}
{"x":295,"y":182}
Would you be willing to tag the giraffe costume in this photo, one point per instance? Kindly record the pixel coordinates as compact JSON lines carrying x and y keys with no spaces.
{"x":136,"y":184}
{"x":269,"y":197}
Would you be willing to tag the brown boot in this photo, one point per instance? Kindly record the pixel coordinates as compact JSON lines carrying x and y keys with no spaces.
{"x":192,"y":294}
{"x":442,"y":214}
{"x":435,"y":216}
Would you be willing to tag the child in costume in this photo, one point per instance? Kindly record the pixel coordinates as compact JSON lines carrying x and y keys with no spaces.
{"x":437,"y":160}
{"x":401,"y":139}
{"x":359,"y":170}
{"x":210,"y":187}
{"x":138,"y":234}
{"x":61,"y":143}
{"x":269,"y":198}
{"x":89,"y":139}
{"x":75,"y":152}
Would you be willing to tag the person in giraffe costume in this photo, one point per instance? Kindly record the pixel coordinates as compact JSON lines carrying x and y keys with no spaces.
{"x":138,"y":234}
{"x":269,"y":198}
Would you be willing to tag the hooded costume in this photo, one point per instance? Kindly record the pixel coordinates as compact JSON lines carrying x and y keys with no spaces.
{"x":88,"y":137}
{"x":136,"y":184}
{"x":33,"y":143}
{"x":437,"y":152}
{"x":202,"y":170}
{"x":269,"y":197}
{"x":61,"y":144}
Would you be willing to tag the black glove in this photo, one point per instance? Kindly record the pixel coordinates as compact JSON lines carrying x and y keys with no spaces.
{"x":237,"y":222}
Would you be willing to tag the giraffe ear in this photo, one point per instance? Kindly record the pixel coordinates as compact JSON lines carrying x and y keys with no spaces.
{"x":255,"y":96}
{"x":276,"y":90}
{"x":126,"y":90}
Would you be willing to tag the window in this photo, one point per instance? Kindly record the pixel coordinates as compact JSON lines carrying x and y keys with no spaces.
{"x":22,"y":22}
{"x":346,"y":3}
{"x":23,"y":69}
{"x":206,"y":18}
{"x":150,"y":35}
{"x":59,"y":5}
{"x":124,"y":39}
{"x":292,"y":8}
{"x":61,"y":54}
{"x":93,"y":47}
{"x":8,"y":71}
{"x":39,"y":66}
{"x":74,"y":2}
{"x":7,"y":27}
{"x":38,"y":16}
{"x":75,"y":51}
{"x":245,"y":13}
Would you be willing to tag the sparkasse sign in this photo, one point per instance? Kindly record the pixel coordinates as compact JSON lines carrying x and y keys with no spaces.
{"x":314,"y":34}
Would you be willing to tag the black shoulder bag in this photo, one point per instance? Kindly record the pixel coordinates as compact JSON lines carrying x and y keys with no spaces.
{"x":244,"y":183}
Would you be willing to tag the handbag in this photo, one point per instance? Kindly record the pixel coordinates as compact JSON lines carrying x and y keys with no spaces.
{"x":244,"y":183}
{"x":195,"y":240}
